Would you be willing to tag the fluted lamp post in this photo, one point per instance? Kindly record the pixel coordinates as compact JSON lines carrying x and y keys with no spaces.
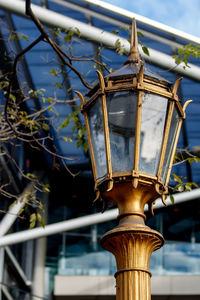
{"x":133,"y":120}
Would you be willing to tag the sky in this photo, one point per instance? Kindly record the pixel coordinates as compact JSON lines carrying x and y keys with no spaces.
{"x":180,"y":14}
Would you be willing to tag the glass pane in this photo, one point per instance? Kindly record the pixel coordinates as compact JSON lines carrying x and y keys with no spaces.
{"x":122,"y":108}
{"x":97,"y":136}
{"x":152,"y":129}
{"x":170,"y":143}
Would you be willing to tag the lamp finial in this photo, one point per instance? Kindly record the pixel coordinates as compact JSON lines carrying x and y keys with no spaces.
{"x":134,"y":56}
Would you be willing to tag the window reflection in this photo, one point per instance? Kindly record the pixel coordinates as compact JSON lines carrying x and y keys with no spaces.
{"x":154,"y":109}
{"x":121,"y":108}
{"x":97,"y":136}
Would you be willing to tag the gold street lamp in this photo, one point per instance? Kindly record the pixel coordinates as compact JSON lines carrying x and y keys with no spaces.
{"x":133,"y":120}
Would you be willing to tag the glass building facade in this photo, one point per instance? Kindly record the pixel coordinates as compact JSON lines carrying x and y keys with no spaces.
{"x":77,"y":252}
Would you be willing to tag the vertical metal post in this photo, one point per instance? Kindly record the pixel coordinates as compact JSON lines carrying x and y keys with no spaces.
{"x":132,"y":243}
{"x":39,"y":267}
{"x":2,"y":255}
{"x":39,"y":261}
{"x":132,"y":248}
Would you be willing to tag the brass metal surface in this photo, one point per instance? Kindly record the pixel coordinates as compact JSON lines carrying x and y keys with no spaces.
{"x":132,"y":247}
{"x":134,"y":56}
{"x":129,"y":200}
{"x":165,"y":138}
{"x":105,"y":126}
{"x":94,"y":170}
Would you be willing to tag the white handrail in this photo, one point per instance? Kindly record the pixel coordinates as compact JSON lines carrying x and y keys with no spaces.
{"x":154,"y":24}
{"x":80,"y":222}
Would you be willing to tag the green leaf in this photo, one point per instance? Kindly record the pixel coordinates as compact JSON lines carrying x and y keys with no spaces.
{"x":123,"y":28}
{"x":181,"y":188}
{"x":79,"y":143}
{"x":195,"y":184}
{"x":67,"y":139}
{"x":13,"y":97}
{"x":171,"y":198}
{"x":80,"y":132}
{"x":145,"y":50}
{"x":11,"y":205}
{"x":58,"y":31}
{"x":85,"y":147}
{"x":140,"y":33}
{"x":25,"y":37}
{"x":30,"y":91}
{"x":115,"y":31}
{"x":177,"y":178}
{"x":49,"y":99}
{"x":188,"y":187}
{"x":58,"y":85}
{"x":42,"y":223}
{"x":45,"y":126}
{"x":39,"y":217}
{"x":117,"y":44}
{"x":32,"y":217}
{"x":20,"y":211}
{"x":54,"y":72}
{"x":67,"y":38}
{"x":78,"y":32}
{"x":32,"y":224}
{"x":31,"y":175}
{"x":12,"y":37}
{"x":45,"y":187}
{"x":190,"y":160}
{"x":65,"y":123}
{"x":74,"y":127}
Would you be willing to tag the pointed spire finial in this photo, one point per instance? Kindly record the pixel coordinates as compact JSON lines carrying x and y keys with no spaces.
{"x":134,"y":55}
{"x":134,"y":38}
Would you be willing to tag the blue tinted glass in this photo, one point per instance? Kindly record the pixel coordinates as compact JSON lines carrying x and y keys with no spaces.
{"x":154,"y":109}
{"x":97,"y":136}
{"x":122,"y":107}
{"x":170,"y":143}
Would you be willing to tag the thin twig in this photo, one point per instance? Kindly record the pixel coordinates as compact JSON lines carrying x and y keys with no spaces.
{"x":56,"y":48}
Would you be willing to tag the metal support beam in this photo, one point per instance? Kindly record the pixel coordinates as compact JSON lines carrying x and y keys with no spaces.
{"x":12,"y":213}
{"x":68,"y":225}
{"x":38,"y":283}
{"x":52,"y":18}
{"x":17,"y":266}
{"x":2,"y":256}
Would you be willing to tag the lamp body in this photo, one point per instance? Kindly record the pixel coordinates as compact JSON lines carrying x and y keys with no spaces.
{"x":133,"y":120}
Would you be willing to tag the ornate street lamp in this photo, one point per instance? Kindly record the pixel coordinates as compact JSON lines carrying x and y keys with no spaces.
{"x":133,"y":120}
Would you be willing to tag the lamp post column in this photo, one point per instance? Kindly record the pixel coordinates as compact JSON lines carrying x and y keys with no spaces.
{"x":132,"y":243}
{"x":132,"y":247}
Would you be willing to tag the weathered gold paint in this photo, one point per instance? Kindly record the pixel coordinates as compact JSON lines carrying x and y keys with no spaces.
{"x":132,"y":242}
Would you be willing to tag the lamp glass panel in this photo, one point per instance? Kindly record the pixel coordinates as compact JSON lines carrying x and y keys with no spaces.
{"x":97,"y":136}
{"x":122,"y":107}
{"x":154,"y":108}
{"x":170,"y":143}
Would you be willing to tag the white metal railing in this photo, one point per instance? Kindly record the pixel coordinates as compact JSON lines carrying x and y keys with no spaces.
{"x":81,"y":222}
